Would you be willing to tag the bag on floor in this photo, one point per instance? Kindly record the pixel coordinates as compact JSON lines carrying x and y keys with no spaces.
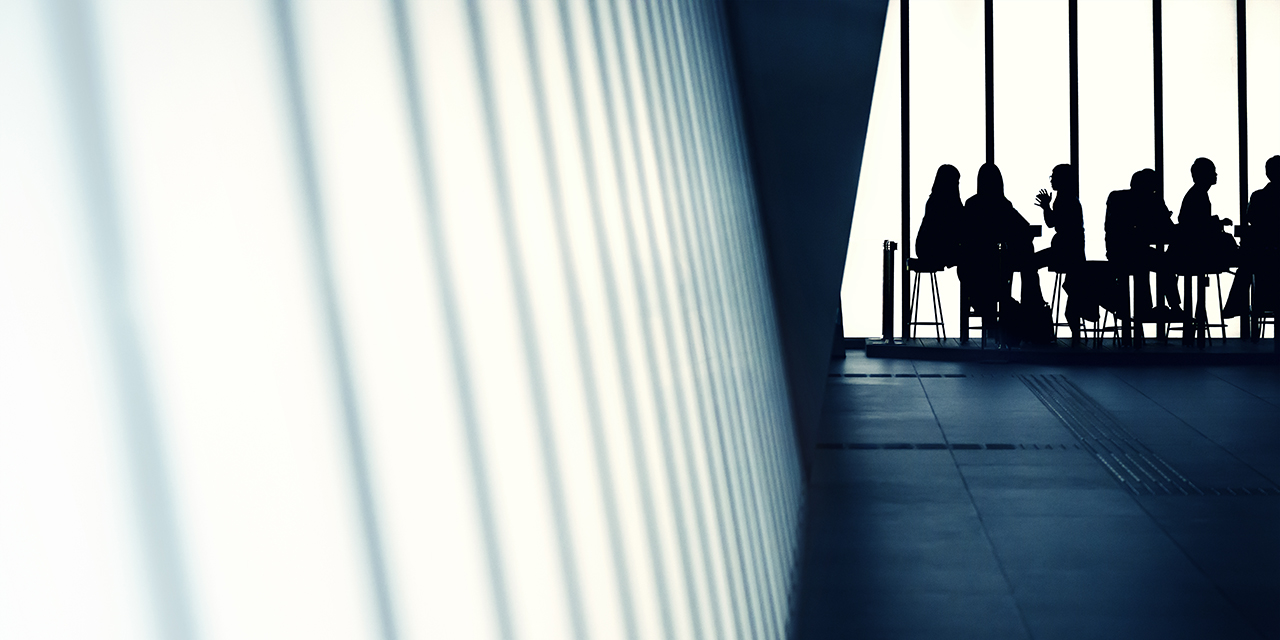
{"x":1036,"y":323}
{"x":1009,"y":324}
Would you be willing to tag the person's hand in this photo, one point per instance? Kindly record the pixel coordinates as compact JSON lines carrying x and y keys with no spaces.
{"x":1043,"y":199}
{"x":1226,"y":222}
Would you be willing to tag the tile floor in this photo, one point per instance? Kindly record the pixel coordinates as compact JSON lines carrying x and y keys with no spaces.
{"x":1074,"y":524}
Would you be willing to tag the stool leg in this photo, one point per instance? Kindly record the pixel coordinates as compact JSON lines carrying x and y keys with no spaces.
{"x":1057,"y":301}
{"x":915,"y":306}
{"x":937,"y":307}
{"x":1188,"y":338}
{"x":1218,"y":283}
{"x":1202,"y":315}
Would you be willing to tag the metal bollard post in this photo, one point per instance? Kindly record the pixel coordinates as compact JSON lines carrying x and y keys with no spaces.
{"x":887,"y":324}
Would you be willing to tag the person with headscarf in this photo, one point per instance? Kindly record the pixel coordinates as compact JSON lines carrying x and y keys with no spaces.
{"x":996,"y":240}
{"x":938,"y":240}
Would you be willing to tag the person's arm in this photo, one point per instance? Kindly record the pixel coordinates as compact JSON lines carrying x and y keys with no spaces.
{"x":1043,"y":200}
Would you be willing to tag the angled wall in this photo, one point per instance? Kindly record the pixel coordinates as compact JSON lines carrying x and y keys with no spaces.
{"x":806,"y":71}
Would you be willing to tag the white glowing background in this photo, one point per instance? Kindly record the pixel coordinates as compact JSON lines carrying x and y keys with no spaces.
{"x":1116,"y":104}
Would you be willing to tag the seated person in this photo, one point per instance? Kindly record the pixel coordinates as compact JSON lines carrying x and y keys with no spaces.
{"x":996,"y":238}
{"x":1136,"y":219}
{"x":1066,"y":218}
{"x":1200,"y":245}
{"x":938,"y":240}
{"x":1066,"y":251}
{"x":1260,"y":249}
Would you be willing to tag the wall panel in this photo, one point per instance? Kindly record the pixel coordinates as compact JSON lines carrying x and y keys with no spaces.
{"x":404,"y":319}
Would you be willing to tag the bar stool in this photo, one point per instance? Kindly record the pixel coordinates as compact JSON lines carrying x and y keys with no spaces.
{"x":1221,"y":324}
{"x":967,"y":314}
{"x":920,"y":268}
{"x":1195,"y":325}
{"x":1108,"y":322}
{"x":1260,"y":321}
{"x":1057,"y":303}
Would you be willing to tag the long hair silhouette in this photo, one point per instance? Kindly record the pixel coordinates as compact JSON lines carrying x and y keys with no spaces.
{"x":946,"y":184}
{"x":990,"y":182}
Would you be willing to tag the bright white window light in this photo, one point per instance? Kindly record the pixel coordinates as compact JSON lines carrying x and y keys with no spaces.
{"x":1200,"y":113}
{"x":1263,"y":22}
{"x":1200,"y":110}
{"x":1116,"y":105}
{"x":1032,"y":106}
{"x":877,"y":210}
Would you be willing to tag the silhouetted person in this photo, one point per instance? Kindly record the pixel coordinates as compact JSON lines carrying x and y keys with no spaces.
{"x":996,"y":237}
{"x":939,"y":237}
{"x":1136,"y":219}
{"x":1200,"y":245}
{"x":1065,"y":217}
{"x":1066,"y":251}
{"x":1260,"y":246}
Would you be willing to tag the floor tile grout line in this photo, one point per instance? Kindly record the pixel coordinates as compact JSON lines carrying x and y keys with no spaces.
{"x":1205,"y":574}
{"x":1102,"y":414}
{"x":986,"y":535}
{"x":1107,"y":422}
{"x":1275,"y":485}
{"x":1140,"y":448}
{"x":1041,"y":390}
{"x":1138,"y":445}
{"x":1229,"y":382}
{"x":1078,"y":408}
{"x":1101,"y":422}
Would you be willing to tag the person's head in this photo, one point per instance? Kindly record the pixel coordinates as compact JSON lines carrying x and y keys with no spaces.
{"x":1203,"y":172}
{"x":1144,"y":181}
{"x":990,"y":182}
{"x":1063,"y":178}
{"x":1273,"y":168}
{"x":947,"y":182}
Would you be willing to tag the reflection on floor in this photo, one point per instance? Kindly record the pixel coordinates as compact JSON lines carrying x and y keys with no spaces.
{"x":966,"y":500}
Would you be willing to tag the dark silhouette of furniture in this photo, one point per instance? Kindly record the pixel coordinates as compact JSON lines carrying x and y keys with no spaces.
{"x":929,"y":271}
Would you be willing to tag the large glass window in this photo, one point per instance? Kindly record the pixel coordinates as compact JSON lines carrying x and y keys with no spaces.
{"x":1200,"y":106}
{"x":948,"y":109}
{"x":1032,"y":109}
{"x":1117,"y":122}
{"x":1263,"y":22}
{"x":948,"y":86}
{"x":877,"y":211}
{"x":1200,"y":116}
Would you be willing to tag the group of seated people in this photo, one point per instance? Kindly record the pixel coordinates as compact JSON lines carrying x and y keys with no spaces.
{"x":989,"y":240}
